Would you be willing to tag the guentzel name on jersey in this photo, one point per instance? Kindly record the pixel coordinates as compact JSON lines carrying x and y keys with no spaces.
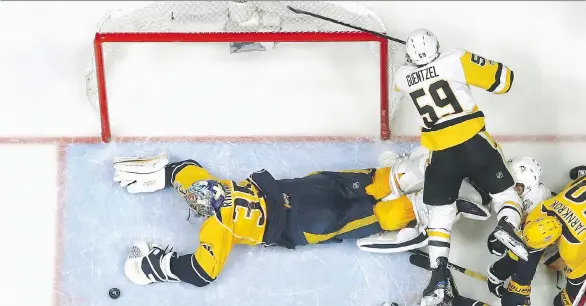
{"x":441,"y":93}
{"x":421,"y":75}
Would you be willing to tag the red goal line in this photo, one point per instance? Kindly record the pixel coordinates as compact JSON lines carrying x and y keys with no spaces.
{"x":61,"y":140}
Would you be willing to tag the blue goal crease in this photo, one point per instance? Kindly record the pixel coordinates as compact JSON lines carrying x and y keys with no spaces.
{"x":102,"y":220}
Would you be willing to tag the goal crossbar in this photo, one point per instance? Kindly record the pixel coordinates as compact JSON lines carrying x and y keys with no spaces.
{"x":225,"y":37}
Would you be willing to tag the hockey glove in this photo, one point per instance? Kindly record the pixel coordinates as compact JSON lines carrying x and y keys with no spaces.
{"x":140,"y":174}
{"x":495,"y":246}
{"x":577,"y":172}
{"x":516,"y":295}
{"x":147,"y":264}
{"x":495,"y":284}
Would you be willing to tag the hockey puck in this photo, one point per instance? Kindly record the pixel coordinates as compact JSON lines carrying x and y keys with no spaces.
{"x":114,"y":293}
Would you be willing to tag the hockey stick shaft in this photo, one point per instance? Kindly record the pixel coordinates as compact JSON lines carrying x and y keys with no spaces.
{"x":303,"y":12}
{"x":460,"y":269}
{"x":580,"y":294}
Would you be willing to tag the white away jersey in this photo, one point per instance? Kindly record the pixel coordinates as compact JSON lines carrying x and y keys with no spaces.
{"x":532,"y":196}
{"x":441,"y":93}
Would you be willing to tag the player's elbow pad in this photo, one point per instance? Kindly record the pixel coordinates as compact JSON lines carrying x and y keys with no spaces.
{"x":503,"y":80}
{"x":188,"y":270}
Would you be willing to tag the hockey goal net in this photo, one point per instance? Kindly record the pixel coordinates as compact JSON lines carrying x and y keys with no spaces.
{"x":231,"y":23}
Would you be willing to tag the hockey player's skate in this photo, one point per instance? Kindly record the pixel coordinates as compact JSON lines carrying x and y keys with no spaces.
{"x":439,"y":291}
{"x":505,"y":233}
{"x":471,"y":210}
{"x":147,"y":264}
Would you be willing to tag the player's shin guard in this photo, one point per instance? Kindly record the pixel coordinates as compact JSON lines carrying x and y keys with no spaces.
{"x":441,"y":219}
{"x":507,"y":205}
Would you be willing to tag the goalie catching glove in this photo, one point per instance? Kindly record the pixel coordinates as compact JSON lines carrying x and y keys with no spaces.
{"x":141,"y":174}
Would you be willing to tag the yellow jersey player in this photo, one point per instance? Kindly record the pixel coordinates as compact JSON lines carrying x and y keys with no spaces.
{"x":321,"y":207}
{"x":453,"y":128}
{"x":559,"y":221}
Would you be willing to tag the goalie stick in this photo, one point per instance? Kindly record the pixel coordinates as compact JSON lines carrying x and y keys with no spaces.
{"x":303,"y":12}
{"x":421,"y":259}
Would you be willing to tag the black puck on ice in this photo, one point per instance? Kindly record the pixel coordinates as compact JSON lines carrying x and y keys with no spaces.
{"x":114,"y":293}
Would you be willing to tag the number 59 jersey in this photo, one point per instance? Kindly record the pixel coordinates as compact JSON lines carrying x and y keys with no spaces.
{"x":441,"y":93}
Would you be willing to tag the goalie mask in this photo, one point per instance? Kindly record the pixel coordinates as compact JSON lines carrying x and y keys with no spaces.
{"x":205,"y":197}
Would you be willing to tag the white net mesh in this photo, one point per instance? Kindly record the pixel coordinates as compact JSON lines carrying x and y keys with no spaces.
{"x":234,"y":17}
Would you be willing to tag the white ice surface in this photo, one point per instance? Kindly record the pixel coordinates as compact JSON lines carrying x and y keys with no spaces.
{"x":46,"y":46}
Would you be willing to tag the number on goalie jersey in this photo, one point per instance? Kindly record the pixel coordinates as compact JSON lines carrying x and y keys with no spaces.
{"x":241,"y":219}
{"x":441,"y":93}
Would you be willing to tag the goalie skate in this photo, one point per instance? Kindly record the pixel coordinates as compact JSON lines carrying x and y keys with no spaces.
{"x":394,"y":241}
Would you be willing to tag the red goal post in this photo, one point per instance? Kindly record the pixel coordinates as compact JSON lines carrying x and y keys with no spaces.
{"x":206,"y":22}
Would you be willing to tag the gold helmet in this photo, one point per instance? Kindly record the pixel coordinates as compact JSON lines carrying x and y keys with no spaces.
{"x":542,"y":232}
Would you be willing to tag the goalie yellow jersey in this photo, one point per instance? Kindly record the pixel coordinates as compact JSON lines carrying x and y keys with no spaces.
{"x":569,"y":207}
{"x":241,"y":219}
{"x":442,"y":95}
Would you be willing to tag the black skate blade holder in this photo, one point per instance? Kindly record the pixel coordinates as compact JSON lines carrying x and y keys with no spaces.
{"x":505,"y":233}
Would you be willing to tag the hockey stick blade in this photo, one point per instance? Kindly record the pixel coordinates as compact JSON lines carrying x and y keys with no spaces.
{"x":303,"y":12}
{"x":421,"y":259}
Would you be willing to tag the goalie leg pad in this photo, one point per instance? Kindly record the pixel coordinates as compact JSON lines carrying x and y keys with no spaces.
{"x":396,"y":214}
{"x":394,"y":241}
